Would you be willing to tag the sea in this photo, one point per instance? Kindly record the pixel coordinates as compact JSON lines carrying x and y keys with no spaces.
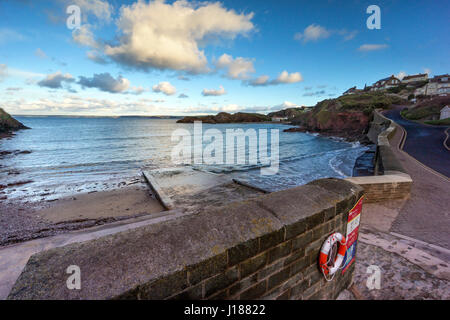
{"x":66,"y":155}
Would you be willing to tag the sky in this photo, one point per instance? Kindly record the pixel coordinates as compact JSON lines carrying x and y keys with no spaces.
{"x":96,"y":57}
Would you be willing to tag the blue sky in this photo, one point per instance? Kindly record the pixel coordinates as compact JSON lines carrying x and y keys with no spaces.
{"x":178,"y":58}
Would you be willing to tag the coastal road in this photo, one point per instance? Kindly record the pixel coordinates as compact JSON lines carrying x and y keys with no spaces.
{"x":424,"y":142}
{"x":424,"y":215}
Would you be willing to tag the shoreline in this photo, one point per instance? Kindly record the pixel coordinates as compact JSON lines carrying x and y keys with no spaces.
{"x":21,"y":221}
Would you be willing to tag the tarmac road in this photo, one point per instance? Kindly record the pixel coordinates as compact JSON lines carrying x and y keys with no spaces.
{"x":424,"y":142}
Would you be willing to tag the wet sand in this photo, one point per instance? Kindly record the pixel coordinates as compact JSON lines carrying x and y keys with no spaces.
{"x":21,"y":221}
{"x":97,"y":205}
{"x":189,"y":189}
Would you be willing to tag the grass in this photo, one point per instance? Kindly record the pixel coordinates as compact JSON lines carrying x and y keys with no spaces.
{"x":442,"y":122}
{"x":421,"y":113}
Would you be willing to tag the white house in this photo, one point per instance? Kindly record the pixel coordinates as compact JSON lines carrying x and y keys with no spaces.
{"x":415,"y":77}
{"x":438,"y":85}
{"x":385,"y":83}
{"x":279,"y":119}
{"x":445,"y":113}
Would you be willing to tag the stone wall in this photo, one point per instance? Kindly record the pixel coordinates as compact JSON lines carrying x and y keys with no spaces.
{"x":391,"y":180}
{"x":264,"y":248}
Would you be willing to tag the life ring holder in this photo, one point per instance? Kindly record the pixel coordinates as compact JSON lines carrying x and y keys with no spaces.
{"x":324,"y":260}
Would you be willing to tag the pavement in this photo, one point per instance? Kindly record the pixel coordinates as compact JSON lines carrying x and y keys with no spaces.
{"x":424,"y":142}
{"x":408,"y":240}
{"x":425,"y":215}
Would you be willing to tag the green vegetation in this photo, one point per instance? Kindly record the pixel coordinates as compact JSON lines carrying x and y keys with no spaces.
{"x":323,"y":117}
{"x":367,"y":101}
{"x":288,"y":112}
{"x":443,"y":122}
{"x":427,"y":109}
{"x":421,"y":113}
{"x":397,"y":89}
{"x":8,"y":123}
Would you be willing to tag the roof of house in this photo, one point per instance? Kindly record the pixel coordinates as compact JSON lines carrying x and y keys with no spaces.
{"x":445,"y":108}
{"x":439,"y":78}
{"x":420,"y":75}
{"x":378,"y":83}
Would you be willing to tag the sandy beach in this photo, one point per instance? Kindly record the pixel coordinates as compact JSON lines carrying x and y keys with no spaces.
{"x":21,"y":221}
{"x":190,"y":190}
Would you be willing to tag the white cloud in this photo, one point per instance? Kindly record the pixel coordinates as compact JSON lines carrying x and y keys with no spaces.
{"x":312,"y":32}
{"x":372,"y":47}
{"x":3,"y":72}
{"x":56,"y":80}
{"x":347,"y":35}
{"x":213,"y":92}
{"x":84,"y":36}
{"x":70,"y":104}
{"x":285,"y":105}
{"x":105,"y":82}
{"x":167,"y":36}
{"x":260,"y":81}
{"x":101,"y":9}
{"x":427,"y":71}
{"x":165,"y":87}
{"x":283,"y":78}
{"x":137,"y":90}
{"x":41,"y":54}
{"x":319,"y":93}
{"x":96,"y":57}
{"x":401,"y":75}
{"x":315,"y":32}
{"x":238,"y":68}
{"x":7,"y":35}
{"x":183,"y":96}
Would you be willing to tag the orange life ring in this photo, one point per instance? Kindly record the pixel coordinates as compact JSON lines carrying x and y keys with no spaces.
{"x":325,"y":250}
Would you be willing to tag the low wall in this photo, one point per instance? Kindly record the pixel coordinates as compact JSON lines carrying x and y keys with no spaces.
{"x":264,"y":248}
{"x":391,"y":181}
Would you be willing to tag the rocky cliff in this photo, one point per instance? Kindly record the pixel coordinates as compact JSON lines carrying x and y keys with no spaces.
{"x":8,"y":123}
{"x":347,"y":116}
{"x":224,"y":117}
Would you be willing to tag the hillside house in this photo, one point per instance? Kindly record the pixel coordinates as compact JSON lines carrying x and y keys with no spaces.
{"x":386,"y":83}
{"x":415,"y":78}
{"x":445,"y":113}
{"x":279,"y":119}
{"x":439,"y":85}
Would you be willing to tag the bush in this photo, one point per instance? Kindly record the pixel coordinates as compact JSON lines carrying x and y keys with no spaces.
{"x":442,"y":122}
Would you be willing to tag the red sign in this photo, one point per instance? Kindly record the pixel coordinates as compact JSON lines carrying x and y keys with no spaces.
{"x":354,"y":217}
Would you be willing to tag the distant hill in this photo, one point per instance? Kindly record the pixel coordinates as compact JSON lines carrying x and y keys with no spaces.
{"x":8,"y":123}
{"x":224,"y":117}
{"x":289,"y":113}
